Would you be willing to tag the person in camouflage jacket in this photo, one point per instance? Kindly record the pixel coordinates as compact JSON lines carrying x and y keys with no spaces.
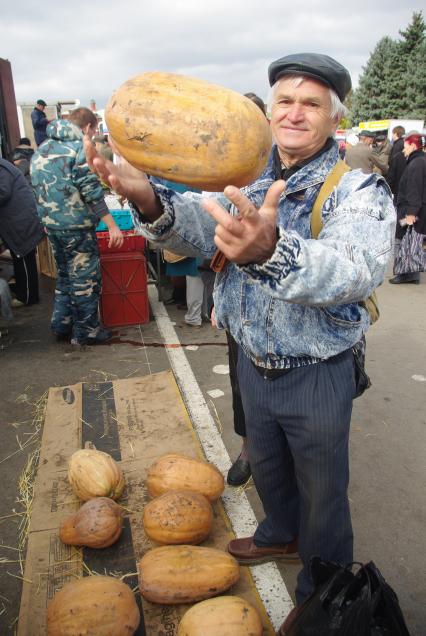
{"x":70,"y":202}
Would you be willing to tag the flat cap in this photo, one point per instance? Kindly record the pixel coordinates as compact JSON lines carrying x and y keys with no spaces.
{"x":381,"y":136}
{"x":320,"y":67}
{"x":367,"y":133}
{"x":41,"y":102}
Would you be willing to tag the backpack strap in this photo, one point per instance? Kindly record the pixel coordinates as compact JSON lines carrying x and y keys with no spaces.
{"x":331,"y":181}
{"x":327,"y":187}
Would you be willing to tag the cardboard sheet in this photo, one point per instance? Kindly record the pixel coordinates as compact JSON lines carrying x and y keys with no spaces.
{"x":135,"y":421}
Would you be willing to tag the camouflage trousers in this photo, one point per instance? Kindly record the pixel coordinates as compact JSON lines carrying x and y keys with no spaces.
{"x":78,"y":283}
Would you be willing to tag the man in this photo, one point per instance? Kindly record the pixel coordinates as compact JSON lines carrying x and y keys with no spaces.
{"x":362,"y":155}
{"x":382,"y":148}
{"x":397,"y":160}
{"x":39,"y":121}
{"x":21,"y":157}
{"x":21,"y":231}
{"x":70,"y":201}
{"x":292,"y":303}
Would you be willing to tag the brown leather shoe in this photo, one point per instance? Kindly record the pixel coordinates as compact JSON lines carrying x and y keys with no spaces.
{"x":288,"y":622}
{"x":247,"y":553}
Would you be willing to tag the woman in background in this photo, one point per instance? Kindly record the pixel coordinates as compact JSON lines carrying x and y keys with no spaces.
{"x":411,"y":213}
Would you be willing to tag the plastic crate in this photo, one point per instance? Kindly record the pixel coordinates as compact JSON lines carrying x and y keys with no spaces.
{"x":123,"y":218}
{"x":124,"y":296}
{"x":132,"y":243}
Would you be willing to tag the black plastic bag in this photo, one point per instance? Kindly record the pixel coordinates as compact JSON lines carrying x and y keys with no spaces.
{"x":348,"y":604}
{"x":362,"y":380}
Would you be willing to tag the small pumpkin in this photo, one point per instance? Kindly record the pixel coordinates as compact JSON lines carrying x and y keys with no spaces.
{"x":97,"y":524}
{"x":189,"y":131}
{"x":93,"y":473}
{"x":179,"y":472}
{"x":93,"y":606}
{"x":224,"y":615}
{"x":178,"y":516}
{"x":185,"y":574}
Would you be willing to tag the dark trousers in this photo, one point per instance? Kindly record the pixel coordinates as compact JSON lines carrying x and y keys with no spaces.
{"x":25,"y":271}
{"x":298,"y":434}
{"x":237,"y":404}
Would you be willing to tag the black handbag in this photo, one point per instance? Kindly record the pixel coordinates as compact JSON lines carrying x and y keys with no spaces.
{"x":345,"y":603}
{"x":362,"y":380}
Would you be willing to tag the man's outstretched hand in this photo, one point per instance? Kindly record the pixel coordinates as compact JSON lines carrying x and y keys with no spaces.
{"x":252,"y":236}
{"x":124,"y":179}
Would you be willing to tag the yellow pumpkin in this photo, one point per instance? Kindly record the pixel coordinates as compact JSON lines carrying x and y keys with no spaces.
{"x":97,"y":524}
{"x":185,"y":574}
{"x":93,"y":606}
{"x":224,"y":616}
{"x":179,"y":472}
{"x":93,"y":473}
{"x":189,"y":131}
{"x":178,"y":516}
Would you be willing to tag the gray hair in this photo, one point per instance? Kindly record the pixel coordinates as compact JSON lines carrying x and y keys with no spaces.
{"x":337,"y":109}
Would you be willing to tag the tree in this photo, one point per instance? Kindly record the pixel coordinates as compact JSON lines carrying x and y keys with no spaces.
{"x":416,"y":83}
{"x":414,"y":34}
{"x":373,"y":98}
{"x":392,"y":84}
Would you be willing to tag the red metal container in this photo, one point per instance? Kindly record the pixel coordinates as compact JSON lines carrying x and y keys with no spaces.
{"x":132,"y":243}
{"x":124,"y":297}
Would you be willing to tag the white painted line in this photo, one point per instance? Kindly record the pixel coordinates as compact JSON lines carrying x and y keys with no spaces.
{"x":215,"y":393}
{"x":269,"y":582}
{"x":418,"y":378}
{"x":221,"y":369}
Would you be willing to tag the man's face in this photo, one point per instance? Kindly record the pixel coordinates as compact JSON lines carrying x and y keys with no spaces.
{"x":301,"y":120}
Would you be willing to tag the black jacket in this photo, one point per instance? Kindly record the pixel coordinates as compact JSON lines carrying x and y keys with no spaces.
{"x":397,"y":165}
{"x":20,"y":227}
{"x":40,"y":122}
{"x":22,"y":156}
{"x":412,"y":193}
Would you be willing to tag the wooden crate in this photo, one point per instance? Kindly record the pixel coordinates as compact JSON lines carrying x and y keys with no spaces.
{"x":45,"y":259}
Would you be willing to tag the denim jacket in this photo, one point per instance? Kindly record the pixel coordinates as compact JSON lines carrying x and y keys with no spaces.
{"x":302,"y":305}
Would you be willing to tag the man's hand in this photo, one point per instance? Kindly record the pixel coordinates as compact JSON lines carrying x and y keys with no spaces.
{"x":252,"y":236}
{"x":124,"y":179}
{"x":116,"y":237}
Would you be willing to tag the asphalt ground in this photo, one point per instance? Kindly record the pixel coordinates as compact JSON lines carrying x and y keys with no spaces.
{"x":388,"y":434}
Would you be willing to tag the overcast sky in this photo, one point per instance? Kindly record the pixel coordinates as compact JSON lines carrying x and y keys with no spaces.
{"x":86,"y":49}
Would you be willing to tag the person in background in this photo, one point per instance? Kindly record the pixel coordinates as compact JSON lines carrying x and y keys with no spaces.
{"x":397,"y":160}
{"x":411,"y":210}
{"x":21,"y":157}
{"x":240,"y":471}
{"x":21,"y":231}
{"x":103,"y":148}
{"x":186,"y":267}
{"x":257,"y":100}
{"x":382,"y":148}
{"x":39,"y":121}
{"x":294,"y":305}
{"x":70,"y":202}
{"x":361,"y":156}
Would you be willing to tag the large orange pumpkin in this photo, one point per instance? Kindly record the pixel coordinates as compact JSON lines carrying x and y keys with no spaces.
{"x":178,"y":516}
{"x":185,"y":573}
{"x":97,"y":524}
{"x":224,"y":616}
{"x":93,"y":606}
{"x":188,"y":130}
{"x":179,"y":472}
